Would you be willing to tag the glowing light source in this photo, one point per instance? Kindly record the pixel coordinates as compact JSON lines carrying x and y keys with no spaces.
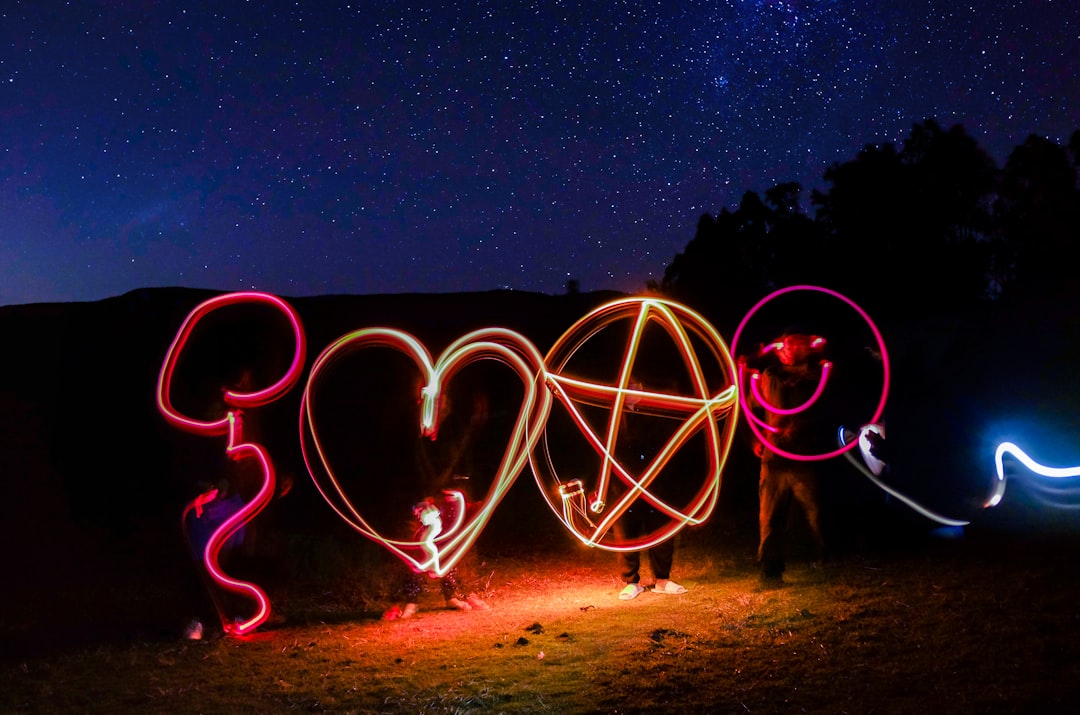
{"x":1042,"y":470}
{"x":757,"y":425}
{"x":230,"y":424}
{"x":591,"y":517}
{"x":439,"y":549}
{"x":844,"y":435}
{"x":866,"y":448}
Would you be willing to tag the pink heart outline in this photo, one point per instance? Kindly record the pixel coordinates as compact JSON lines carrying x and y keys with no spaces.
{"x":439,"y":554}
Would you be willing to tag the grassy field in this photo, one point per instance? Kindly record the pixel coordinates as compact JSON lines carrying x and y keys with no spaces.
{"x":984,"y":624}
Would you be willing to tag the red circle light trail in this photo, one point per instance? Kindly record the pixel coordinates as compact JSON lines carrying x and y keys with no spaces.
{"x":700,"y":412}
{"x":757,"y":425}
{"x":231,"y":424}
{"x":442,"y":546}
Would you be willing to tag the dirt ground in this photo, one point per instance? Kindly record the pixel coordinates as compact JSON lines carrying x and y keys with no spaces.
{"x":987,"y":623}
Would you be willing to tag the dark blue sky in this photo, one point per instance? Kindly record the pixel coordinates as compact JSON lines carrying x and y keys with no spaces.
{"x":317,"y":147}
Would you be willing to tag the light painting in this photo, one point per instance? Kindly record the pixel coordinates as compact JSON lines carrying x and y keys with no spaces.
{"x":437,"y":550}
{"x":871,"y":467}
{"x":712,"y":410}
{"x":757,"y":425}
{"x":1035,"y":468}
{"x":230,"y":424}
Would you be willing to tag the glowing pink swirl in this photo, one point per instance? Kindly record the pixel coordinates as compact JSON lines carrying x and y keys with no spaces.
{"x":231,"y":424}
{"x":756,"y":391}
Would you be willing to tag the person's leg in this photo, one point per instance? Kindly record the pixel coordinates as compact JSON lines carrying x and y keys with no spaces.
{"x":661,"y":557}
{"x":804,"y":487}
{"x":626,"y":528}
{"x":629,"y":566}
{"x":774,"y":497}
{"x":630,"y":572}
{"x":451,"y":591}
{"x":407,"y":595}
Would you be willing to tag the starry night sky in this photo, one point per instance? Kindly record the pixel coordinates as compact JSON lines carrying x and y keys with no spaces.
{"x":316,"y":147}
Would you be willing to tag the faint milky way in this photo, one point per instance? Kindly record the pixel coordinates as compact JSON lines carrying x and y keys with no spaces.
{"x":309,"y":148}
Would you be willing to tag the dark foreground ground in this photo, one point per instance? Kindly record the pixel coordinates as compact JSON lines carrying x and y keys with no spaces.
{"x":987,"y":623}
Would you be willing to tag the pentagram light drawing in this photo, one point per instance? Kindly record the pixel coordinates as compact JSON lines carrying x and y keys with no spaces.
{"x":759,"y":426}
{"x":237,"y":447}
{"x":441,"y":544}
{"x":643,"y":365}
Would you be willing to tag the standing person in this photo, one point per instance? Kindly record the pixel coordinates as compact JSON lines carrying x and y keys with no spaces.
{"x":446,"y":449}
{"x":431,"y":512}
{"x":641,"y":518}
{"x":201,"y":518}
{"x":638,"y":520}
{"x":786,"y":385}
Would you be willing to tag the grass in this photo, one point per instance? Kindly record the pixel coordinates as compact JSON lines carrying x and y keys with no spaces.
{"x":986,"y":624}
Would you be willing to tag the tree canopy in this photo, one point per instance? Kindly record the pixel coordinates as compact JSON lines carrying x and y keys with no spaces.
{"x":903,"y":231}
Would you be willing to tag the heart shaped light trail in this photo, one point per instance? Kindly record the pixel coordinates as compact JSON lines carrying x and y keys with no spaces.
{"x":439,"y":548}
{"x":237,"y":448}
{"x":710,"y":409}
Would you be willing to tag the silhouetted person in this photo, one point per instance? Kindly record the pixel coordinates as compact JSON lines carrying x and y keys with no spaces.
{"x":784,"y":481}
{"x":642,"y":518}
{"x":447,"y":448}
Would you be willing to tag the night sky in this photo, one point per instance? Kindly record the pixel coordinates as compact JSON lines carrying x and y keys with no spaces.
{"x":316,"y":147}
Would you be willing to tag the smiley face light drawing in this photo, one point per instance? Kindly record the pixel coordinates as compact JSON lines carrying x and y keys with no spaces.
{"x":748,"y":379}
{"x":650,"y":429}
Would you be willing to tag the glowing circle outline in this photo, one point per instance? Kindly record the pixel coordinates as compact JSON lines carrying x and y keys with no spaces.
{"x":702,"y":412}
{"x":879,"y":410}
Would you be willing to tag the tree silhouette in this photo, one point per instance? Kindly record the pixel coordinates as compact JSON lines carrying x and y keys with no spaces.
{"x":904,"y":232}
{"x":1037,"y":217}
{"x":739,"y":256}
{"x":914,"y":222}
{"x":797,"y":249}
{"x":862,"y":219}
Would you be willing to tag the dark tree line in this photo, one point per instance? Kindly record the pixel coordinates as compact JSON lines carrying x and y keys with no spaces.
{"x":905,"y":232}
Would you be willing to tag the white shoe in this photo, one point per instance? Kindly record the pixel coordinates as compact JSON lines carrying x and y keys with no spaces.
{"x":669,"y":587}
{"x":631,"y":591}
{"x":477,"y":603}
